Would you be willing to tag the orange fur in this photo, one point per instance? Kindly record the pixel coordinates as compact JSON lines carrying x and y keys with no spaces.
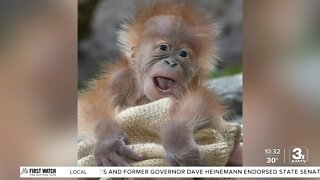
{"x":207,"y":30}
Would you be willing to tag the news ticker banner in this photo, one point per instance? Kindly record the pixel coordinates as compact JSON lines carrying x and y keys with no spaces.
{"x":168,"y":172}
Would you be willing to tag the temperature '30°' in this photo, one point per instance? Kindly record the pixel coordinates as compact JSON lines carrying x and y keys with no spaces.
{"x":272,"y":155}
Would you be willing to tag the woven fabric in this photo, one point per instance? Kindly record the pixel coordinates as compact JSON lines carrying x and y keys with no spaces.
{"x":143,"y":124}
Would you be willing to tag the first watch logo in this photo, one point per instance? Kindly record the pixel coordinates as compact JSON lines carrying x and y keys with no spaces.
{"x":298,"y":155}
{"x":39,"y":172}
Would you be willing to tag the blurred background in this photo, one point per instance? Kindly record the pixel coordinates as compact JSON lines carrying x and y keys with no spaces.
{"x":281,"y":79}
{"x":38,"y":91}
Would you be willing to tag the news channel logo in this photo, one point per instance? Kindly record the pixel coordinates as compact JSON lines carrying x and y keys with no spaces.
{"x":298,"y":155}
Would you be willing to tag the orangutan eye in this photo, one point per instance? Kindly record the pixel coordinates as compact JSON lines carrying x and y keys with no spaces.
{"x":163,"y":47}
{"x":183,"y":53}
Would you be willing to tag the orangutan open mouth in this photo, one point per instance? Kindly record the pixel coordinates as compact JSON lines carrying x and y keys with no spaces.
{"x":164,"y":84}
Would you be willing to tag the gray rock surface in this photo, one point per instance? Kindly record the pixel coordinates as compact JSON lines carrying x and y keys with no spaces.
{"x":229,"y":89}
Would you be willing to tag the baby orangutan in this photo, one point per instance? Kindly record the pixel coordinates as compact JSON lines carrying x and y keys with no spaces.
{"x":167,"y":51}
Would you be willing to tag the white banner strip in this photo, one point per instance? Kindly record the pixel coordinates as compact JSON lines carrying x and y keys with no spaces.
{"x":166,"y":172}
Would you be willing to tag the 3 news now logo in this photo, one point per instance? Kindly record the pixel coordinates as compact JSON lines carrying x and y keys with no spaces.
{"x":38,"y":171}
{"x":298,"y":155}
